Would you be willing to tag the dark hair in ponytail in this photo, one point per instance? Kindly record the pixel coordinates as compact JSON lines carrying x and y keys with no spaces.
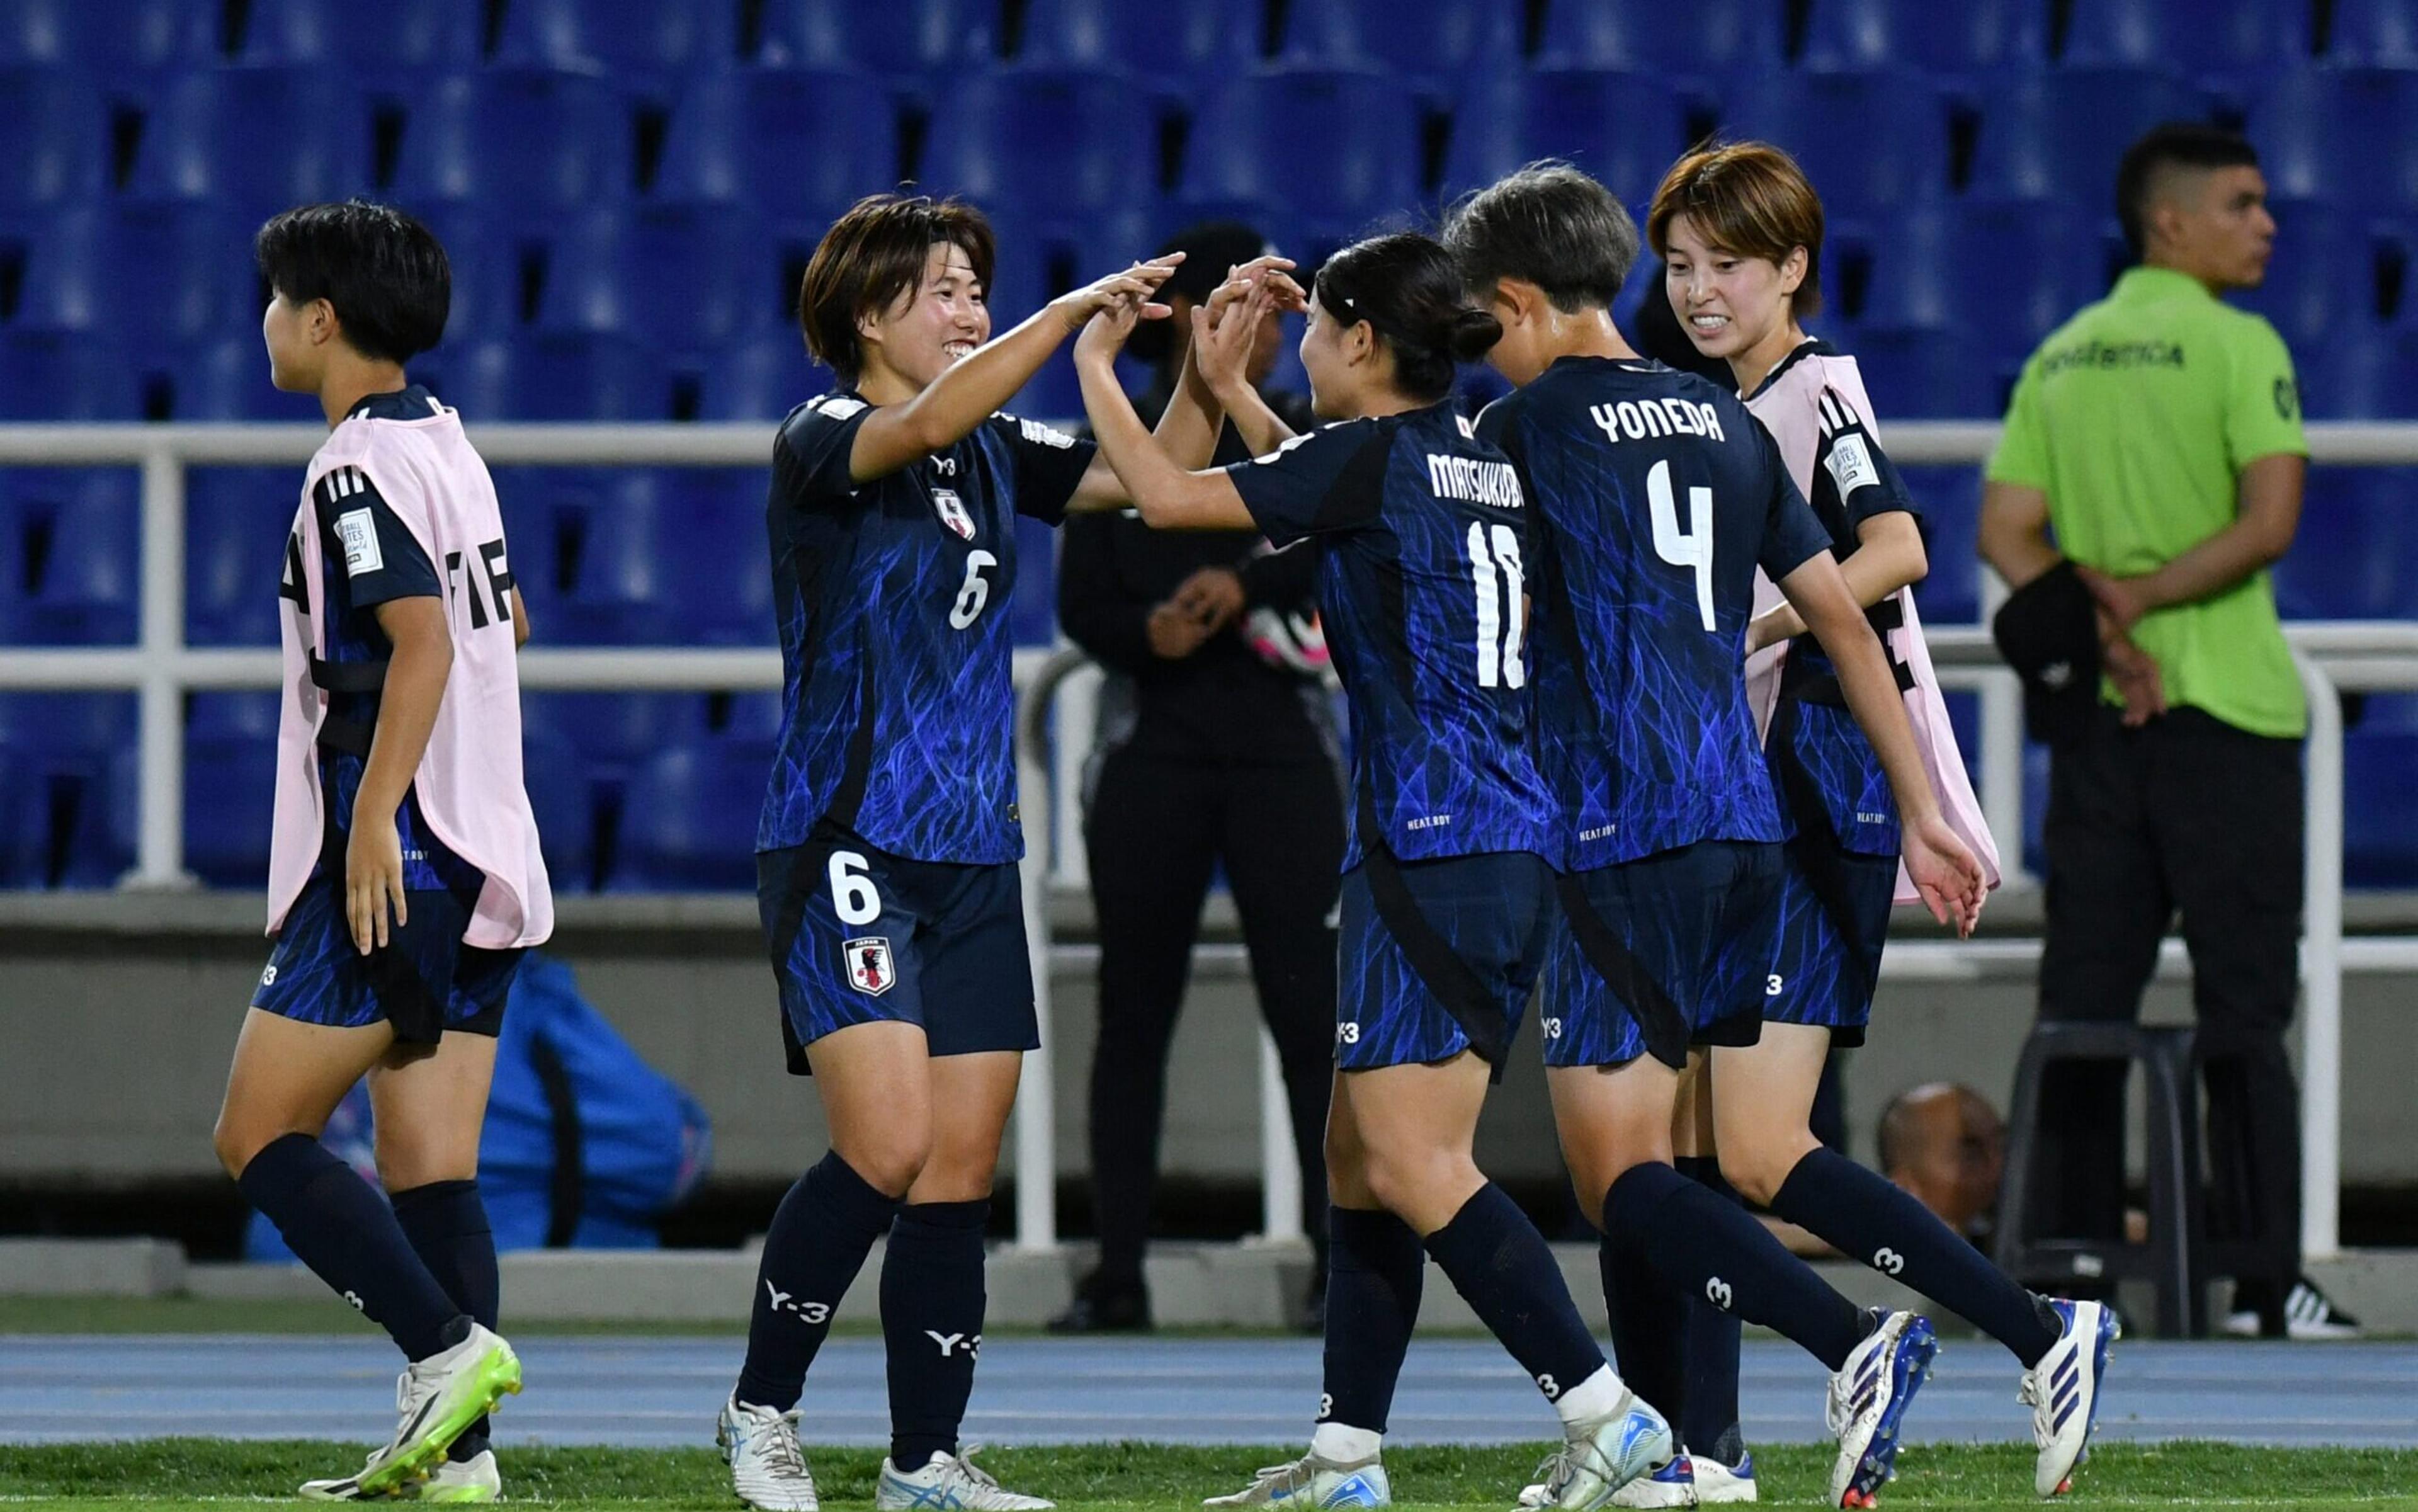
{"x":1409,"y":291}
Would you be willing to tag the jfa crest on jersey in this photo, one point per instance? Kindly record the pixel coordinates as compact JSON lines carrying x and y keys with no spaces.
{"x":868,"y":965}
{"x":1657,"y":497}
{"x":896,"y":705}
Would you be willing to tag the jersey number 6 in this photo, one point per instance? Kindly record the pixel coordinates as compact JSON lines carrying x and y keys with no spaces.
{"x":1691,"y":548}
{"x":853,"y":897}
{"x":974,"y":593}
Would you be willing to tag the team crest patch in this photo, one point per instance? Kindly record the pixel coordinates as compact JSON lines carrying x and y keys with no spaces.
{"x":869,"y":970}
{"x":953,"y":513}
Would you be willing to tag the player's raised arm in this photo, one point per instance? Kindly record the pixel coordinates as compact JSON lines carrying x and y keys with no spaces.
{"x":1222,"y":335}
{"x":1169,"y":496}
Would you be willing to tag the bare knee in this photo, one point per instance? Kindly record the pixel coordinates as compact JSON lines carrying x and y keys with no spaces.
{"x":403,"y":1164}
{"x":1423,"y":1187}
{"x":1759,"y":1168}
{"x":239,"y":1136}
{"x":889,"y":1160}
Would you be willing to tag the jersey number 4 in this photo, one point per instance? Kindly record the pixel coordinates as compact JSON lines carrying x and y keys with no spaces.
{"x":1691,"y":548}
{"x":1502,"y":595}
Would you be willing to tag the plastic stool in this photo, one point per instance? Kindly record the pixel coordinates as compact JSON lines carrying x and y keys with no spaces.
{"x":2178,"y":1260}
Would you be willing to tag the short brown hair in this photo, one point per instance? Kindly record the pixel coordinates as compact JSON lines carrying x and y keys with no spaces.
{"x":1750,"y":198}
{"x":871,"y":255}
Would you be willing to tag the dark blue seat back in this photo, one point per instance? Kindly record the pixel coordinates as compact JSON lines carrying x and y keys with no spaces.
{"x":1710,"y":39}
{"x":789,"y":143}
{"x":2317,"y":132}
{"x":898,"y":41}
{"x":1098,"y":134}
{"x":236,"y":523}
{"x":690,"y":820}
{"x":1248,"y":145}
{"x":1868,"y":139}
{"x":2324,"y":275}
{"x":76,"y":555}
{"x":2377,"y":32}
{"x":230,"y":786}
{"x":2355,"y":555}
{"x":1965,"y":38}
{"x":1951,"y":501}
{"x":419,"y":37}
{"x":72,"y":756}
{"x":557,"y":376}
{"x":256,"y":140}
{"x":1433,"y":41}
{"x":2059,"y":135}
{"x":526,"y":143}
{"x":1180,"y":47}
{"x":2205,"y":36}
{"x":54,"y":138}
{"x":1624,"y":129}
{"x":636,"y":38}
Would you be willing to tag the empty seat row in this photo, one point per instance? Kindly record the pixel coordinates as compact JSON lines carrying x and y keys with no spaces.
{"x":647,"y":37}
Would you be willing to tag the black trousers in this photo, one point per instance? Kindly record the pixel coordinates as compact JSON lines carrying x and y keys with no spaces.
{"x":2193,"y":815}
{"x":1155,"y":830}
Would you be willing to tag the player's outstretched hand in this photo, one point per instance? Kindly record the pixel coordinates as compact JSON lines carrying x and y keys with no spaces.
{"x":1131,"y":288}
{"x":1226,"y":329}
{"x":1945,"y":873}
{"x":373,"y":877}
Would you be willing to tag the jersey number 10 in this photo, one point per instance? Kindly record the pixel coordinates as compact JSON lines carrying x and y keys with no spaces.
{"x":1691,"y":548}
{"x":1502,"y":604}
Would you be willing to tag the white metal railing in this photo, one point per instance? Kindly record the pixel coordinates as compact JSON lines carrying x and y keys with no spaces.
{"x":161,"y":668}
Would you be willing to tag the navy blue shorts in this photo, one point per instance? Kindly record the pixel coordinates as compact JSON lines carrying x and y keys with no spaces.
{"x":1438,"y":956}
{"x":424,"y":981}
{"x":1656,"y":954}
{"x":1817,"y":976}
{"x":859,"y":936}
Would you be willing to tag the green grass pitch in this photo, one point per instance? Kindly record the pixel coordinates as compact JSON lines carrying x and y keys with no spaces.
{"x":193,"y":1472}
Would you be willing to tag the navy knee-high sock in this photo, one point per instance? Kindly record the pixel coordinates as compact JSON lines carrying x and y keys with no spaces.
{"x":932,"y":1301}
{"x":447,"y":1224}
{"x":1375,"y":1267}
{"x":1711,"y":1247}
{"x":1648,"y":1313}
{"x":1504,"y":1269}
{"x":1710,"y":1424}
{"x":341,"y":1226}
{"x":819,"y":1237}
{"x":1866,"y":1216}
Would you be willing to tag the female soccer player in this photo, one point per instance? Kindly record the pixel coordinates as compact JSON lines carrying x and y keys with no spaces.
{"x":886,"y":855}
{"x":1421,"y":532}
{"x":1658,"y":498}
{"x":1742,"y":231}
{"x":405,"y":877}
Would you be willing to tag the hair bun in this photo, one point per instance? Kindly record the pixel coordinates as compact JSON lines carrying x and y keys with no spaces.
{"x":1471,"y":334}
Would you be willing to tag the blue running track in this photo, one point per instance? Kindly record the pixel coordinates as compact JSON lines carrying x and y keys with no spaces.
{"x":654,"y":1392}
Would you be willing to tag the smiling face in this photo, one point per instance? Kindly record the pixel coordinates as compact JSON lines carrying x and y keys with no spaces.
{"x":1327,"y":362}
{"x":1727,"y":303}
{"x":933,"y":325}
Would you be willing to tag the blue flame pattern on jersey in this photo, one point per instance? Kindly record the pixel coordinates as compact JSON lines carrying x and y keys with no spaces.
{"x":1423,"y":536}
{"x":897,"y":710}
{"x":1657,"y":496}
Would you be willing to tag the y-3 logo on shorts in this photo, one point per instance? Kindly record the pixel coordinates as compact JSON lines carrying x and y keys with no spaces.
{"x":268,"y":978}
{"x":869,"y":970}
{"x":1347,"y":1033}
{"x":1553,"y":1027}
{"x":1772,"y":983}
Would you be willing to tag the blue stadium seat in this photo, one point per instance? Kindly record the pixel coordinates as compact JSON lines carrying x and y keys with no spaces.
{"x":1709,"y":39}
{"x":1248,"y":145}
{"x":483,"y":261}
{"x":226,"y":378}
{"x":230,"y":786}
{"x":255,"y":140}
{"x":2380,"y":847}
{"x":1951,"y":500}
{"x":722,"y":564}
{"x":632,"y":38}
{"x":2317,"y":131}
{"x":683,"y":277}
{"x":54,"y":138}
{"x":790,"y":143}
{"x":1625,"y":129}
{"x":2202,"y":36}
{"x":896,"y":41}
{"x":52,"y":374}
{"x":178,"y":271}
{"x":1965,"y":37}
{"x":2382,"y":33}
{"x":2058,"y":133}
{"x":1032,"y":613}
{"x":605,"y":545}
{"x":2323,"y":277}
{"x":689,"y":822}
{"x":1098,"y":134}
{"x":1923,"y":373}
{"x":2361,"y":375}
{"x":1434,"y":41}
{"x":112,"y":36}
{"x":237,"y":522}
{"x":71,"y":754}
{"x":426,"y":35}
{"x":2000,"y":273}
{"x":1179,"y":46}
{"x":553,"y":375}
{"x":563,"y":802}
{"x":74,"y":557}
{"x":1868,"y":139}
{"x":524,"y":144}
{"x":618,"y":733}
{"x":760,"y":378}
{"x":2356,"y":554}
{"x":41,"y":32}
{"x":1043,"y":255}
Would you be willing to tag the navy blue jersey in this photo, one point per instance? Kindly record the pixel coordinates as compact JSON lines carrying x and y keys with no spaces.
{"x":897,"y":708}
{"x":369,"y":556}
{"x":1657,"y":495}
{"x":1422,"y":534}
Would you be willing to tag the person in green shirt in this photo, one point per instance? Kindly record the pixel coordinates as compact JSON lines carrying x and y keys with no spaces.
{"x":2156,"y":436}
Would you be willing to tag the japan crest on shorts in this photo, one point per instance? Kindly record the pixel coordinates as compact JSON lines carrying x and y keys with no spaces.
{"x":953,"y":511}
{"x":869,"y":970}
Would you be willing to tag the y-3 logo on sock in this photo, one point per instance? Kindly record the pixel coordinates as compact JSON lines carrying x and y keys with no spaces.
{"x":355,"y":1298}
{"x":949,"y":1343}
{"x":1717,"y":1292}
{"x":1552,"y":1388}
{"x":1326,"y":1406}
{"x":1888,"y":1260}
{"x":780,"y":1301}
